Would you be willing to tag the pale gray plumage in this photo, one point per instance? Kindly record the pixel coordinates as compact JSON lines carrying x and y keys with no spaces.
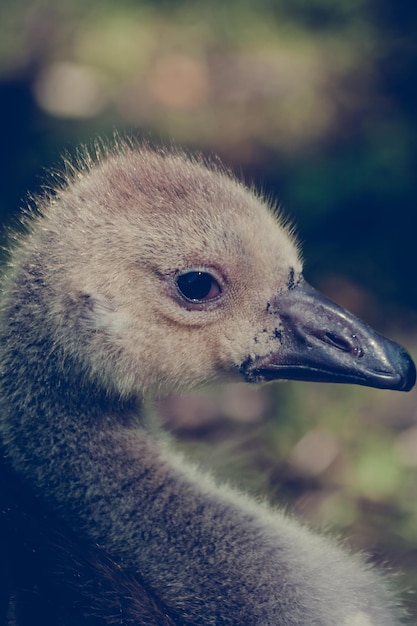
{"x":92,"y":322}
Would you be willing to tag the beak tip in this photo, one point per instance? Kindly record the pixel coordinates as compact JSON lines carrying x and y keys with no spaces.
{"x":408,"y":378}
{"x":402,"y":370}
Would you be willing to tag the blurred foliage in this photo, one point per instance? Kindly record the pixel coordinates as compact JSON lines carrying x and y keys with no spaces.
{"x":316,"y":102}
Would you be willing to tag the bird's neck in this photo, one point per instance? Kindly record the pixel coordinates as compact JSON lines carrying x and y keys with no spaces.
{"x":90,"y":458}
{"x":93,"y":461}
{"x":52,"y":411}
{"x":52,"y":408}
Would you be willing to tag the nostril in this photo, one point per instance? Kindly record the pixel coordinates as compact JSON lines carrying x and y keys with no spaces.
{"x":343,"y":344}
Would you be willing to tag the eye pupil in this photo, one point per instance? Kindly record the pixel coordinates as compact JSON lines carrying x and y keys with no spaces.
{"x":197,"y":285}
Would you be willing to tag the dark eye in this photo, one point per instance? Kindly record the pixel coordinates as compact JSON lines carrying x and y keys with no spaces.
{"x":198,"y":286}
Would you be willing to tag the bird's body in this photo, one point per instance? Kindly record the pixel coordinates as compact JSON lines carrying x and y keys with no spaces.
{"x":146,"y":273}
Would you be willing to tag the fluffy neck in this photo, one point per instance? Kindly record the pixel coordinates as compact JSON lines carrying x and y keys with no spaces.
{"x":88,"y":454}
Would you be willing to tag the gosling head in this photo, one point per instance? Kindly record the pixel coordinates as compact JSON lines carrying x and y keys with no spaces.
{"x":167,"y":273}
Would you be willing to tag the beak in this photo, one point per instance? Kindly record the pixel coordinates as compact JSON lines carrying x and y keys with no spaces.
{"x":320,"y":341}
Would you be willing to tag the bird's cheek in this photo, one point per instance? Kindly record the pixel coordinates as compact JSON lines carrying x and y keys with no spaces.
{"x":249,"y":342}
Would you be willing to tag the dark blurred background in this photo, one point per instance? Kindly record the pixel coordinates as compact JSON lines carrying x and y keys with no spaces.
{"x":313,"y":100}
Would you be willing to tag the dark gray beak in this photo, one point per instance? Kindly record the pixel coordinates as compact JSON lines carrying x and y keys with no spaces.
{"x":320,"y":341}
